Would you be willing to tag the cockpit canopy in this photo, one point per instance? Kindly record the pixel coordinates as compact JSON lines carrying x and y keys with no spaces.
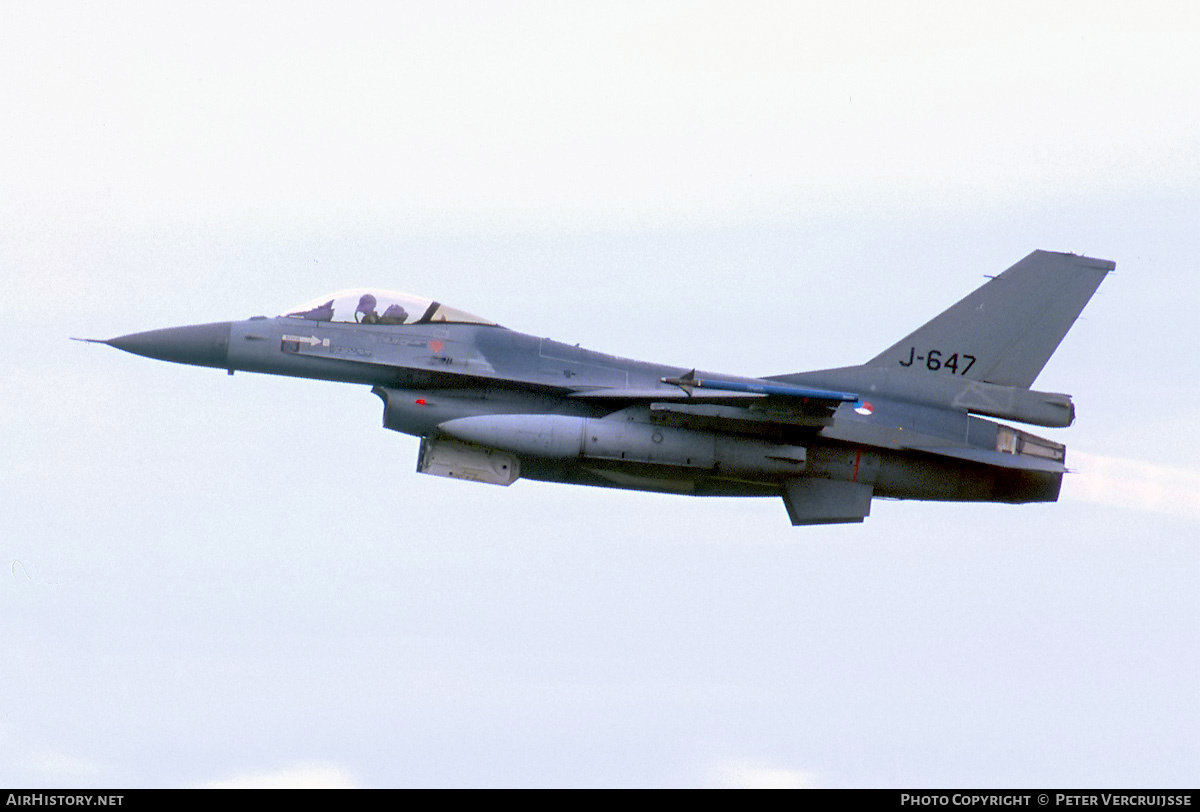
{"x":368,"y":306}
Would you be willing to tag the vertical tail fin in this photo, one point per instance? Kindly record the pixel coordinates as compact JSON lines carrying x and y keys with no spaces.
{"x":1006,"y":331}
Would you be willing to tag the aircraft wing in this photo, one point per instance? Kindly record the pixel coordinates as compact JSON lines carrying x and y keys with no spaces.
{"x":747,"y":406}
{"x":692,"y":388}
{"x":632,"y":396}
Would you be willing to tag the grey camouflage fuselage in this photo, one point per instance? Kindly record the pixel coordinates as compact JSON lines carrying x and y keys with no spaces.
{"x":494,"y":405}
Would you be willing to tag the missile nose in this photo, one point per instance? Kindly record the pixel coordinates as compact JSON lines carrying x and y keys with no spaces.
{"x":205,"y":345}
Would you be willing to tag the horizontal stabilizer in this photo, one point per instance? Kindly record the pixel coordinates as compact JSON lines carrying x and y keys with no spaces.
{"x":997,"y":459}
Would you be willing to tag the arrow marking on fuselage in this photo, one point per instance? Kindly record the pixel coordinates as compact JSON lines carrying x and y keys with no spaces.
{"x":311,"y":341}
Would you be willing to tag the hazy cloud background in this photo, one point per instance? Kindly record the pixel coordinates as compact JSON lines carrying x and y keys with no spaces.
{"x":215,"y":580}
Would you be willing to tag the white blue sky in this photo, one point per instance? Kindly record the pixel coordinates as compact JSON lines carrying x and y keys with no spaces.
{"x":213,"y":580}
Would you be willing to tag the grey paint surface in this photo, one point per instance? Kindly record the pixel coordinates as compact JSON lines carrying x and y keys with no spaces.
{"x":567,"y":414}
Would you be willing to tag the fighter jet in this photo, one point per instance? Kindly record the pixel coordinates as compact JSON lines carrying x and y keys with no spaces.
{"x":493,"y":405}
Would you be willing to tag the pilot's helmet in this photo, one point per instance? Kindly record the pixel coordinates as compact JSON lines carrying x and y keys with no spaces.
{"x":395,"y":314}
{"x":366,"y":304}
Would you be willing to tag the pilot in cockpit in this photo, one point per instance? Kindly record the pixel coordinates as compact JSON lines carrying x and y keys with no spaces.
{"x":365,"y":313}
{"x":395,"y":314}
{"x":366,"y":307}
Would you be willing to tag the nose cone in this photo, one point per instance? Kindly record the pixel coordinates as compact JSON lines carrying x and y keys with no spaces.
{"x":205,"y":345}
